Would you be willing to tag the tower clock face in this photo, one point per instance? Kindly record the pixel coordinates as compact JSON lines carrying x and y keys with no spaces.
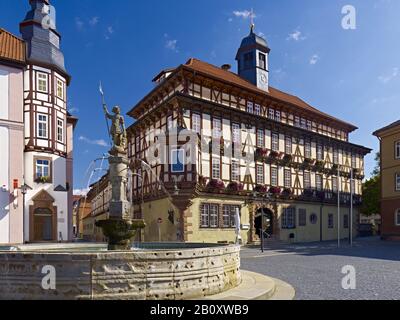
{"x":263,"y":79}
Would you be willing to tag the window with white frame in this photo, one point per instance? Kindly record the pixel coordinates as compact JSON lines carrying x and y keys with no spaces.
{"x":275,"y":142}
{"x":274,"y":177}
{"x":60,"y":89}
{"x":235,"y":171}
{"x":42,"y":126}
{"x":297,"y":122}
{"x":60,"y":130}
{"x":320,"y":152}
{"x":196,"y":123}
{"x":177,"y":160}
{"x":302,"y":217}
{"x":278,"y":116}
{"x":236,"y":133}
{"x":336,"y":156}
{"x":309,"y":125}
{"x":288,"y":145}
{"x":214,"y":213}
{"x":42,"y":82}
{"x":257,"y":109}
{"x":271,"y":114}
{"x":353,"y":161}
{"x":397,"y":150}
{"x":288,"y":178}
{"x":216,"y":168}
{"x":397,"y":181}
{"x":228,"y":216}
{"x":319,"y":182}
{"x":307,"y":150}
{"x":289,"y":218}
{"x":260,"y":174}
{"x":307,"y":180}
{"x":209,"y":215}
{"x":260,"y":138}
{"x":217,"y":128}
{"x":250,"y":107}
{"x":303,"y":123}
{"x":397,"y":217}
{"x":42,"y":169}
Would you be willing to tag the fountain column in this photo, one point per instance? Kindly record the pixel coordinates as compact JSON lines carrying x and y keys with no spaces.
{"x":120,"y":228}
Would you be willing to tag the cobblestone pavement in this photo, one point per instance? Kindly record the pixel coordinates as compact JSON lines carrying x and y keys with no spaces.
{"x":314,"y":270}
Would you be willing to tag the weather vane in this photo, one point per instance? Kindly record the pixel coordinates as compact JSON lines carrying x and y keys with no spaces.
{"x":252,"y":19}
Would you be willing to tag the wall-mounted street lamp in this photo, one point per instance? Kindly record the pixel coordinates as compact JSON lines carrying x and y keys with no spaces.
{"x":24,"y":190}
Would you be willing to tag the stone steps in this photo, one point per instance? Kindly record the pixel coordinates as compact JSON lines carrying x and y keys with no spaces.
{"x":256,"y":286}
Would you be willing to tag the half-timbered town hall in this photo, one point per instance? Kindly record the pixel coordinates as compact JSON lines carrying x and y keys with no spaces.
{"x":36,"y":133}
{"x":283,"y":164}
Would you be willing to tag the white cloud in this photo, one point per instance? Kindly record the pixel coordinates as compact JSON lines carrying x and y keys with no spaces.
{"x":100,"y":142}
{"x":80,"y":192}
{"x":314,"y":59}
{"x":171,"y":44}
{"x":389,"y":77}
{"x":94,"y":21}
{"x":245,"y":14}
{"x":79,"y":23}
{"x":296,"y":36}
{"x":73,"y":110}
{"x":110,"y":31}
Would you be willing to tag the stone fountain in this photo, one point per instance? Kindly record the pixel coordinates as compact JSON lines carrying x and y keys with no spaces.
{"x":120,"y":228}
{"x":150,"y":271}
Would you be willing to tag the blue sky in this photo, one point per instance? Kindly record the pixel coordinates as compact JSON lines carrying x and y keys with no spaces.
{"x":351,"y":74}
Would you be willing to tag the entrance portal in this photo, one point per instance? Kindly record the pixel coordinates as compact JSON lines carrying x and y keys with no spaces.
{"x":267,"y":224}
{"x":43,"y":225}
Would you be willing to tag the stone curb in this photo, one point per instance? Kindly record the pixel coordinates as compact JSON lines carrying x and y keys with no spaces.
{"x":256,"y":286}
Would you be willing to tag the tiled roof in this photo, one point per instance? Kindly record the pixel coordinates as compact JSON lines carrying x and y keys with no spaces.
{"x":390,"y":126}
{"x":12,"y":48}
{"x":234,"y":79}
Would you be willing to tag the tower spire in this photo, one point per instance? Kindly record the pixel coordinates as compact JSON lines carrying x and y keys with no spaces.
{"x":252,"y":25}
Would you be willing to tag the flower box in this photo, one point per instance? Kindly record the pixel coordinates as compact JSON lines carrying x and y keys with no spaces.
{"x":235,"y":187}
{"x":215,"y":185}
{"x":43,"y":180}
{"x":275,"y":190}
{"x":260,"y":189}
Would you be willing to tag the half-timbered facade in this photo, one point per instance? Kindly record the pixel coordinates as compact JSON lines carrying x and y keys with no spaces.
{"x":220,"y":141}
{"x":46,"y":143}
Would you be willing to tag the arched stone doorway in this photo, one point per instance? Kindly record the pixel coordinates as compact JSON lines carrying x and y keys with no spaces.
{"x":268,"y":216}
{"x":43,"y":218}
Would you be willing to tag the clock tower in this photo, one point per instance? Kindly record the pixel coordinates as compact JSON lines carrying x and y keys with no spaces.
{"x":252,"y":58}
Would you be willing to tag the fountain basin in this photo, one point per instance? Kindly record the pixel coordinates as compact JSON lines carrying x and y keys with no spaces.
{"x":163,"y":272}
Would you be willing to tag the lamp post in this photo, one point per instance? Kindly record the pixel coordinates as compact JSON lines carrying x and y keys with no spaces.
{"x":24,"y":190}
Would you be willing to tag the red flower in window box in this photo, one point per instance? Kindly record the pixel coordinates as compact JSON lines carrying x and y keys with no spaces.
{"x":235,"y":187}
{"x":275,"y":190}
{"x":216,"y":185}
{"x":274,"y":155}
{"x":261,"y":153}
{"x":260,"y":189}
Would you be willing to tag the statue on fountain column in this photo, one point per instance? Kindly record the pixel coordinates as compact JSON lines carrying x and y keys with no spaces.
{"x":118,"y":130}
